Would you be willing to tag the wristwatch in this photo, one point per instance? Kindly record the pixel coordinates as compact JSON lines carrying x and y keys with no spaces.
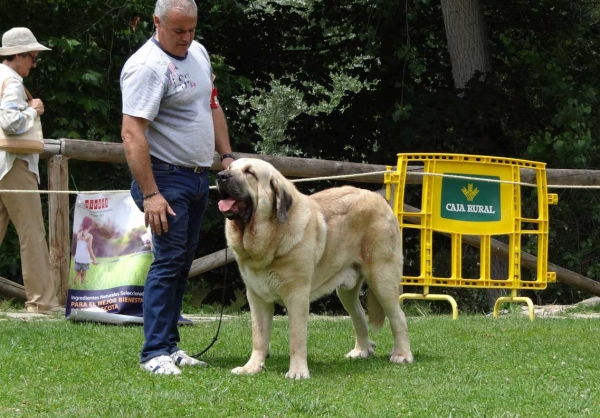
{"x":227,"y":156}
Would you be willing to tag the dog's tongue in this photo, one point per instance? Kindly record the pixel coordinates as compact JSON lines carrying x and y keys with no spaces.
{"x":225,"y":205}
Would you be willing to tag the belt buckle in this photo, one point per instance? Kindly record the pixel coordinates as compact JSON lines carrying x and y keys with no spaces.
{"x":198,"y":169}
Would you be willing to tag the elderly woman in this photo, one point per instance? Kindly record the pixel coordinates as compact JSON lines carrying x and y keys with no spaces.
{"x":19,"y":53}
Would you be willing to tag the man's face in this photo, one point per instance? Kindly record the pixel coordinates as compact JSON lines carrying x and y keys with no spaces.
{"x":176,"y":33}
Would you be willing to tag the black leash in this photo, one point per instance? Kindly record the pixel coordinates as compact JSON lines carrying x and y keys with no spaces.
{"x":214,"y":340}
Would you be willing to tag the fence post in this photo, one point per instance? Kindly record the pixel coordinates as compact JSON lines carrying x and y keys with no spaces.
{"x":58,"y":208}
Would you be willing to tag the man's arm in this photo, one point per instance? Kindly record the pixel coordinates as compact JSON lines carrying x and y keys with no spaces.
{"x":137,"y":153}
{"x":222,"y":144}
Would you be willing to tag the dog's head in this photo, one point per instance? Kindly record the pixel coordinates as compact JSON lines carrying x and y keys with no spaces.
{"x":252,"y":187}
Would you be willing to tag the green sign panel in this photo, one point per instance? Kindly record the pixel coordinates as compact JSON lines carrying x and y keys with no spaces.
{"x":471,"y":200}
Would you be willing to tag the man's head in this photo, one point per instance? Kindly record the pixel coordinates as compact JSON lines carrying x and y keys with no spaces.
{"x":20,"y":50}
{"x":175,"y":22}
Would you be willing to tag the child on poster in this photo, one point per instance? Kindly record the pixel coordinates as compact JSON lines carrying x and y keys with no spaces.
{"x":84,"y":252}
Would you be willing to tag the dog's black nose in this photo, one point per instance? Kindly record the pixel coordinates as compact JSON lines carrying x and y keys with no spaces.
{"x":223,"y":175}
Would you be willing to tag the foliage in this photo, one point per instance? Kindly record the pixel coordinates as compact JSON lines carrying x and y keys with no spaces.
{"x":196,"y":297}
{"x":351,"y":80}
{"x":10,"y":305}
{"x":59,"y":368}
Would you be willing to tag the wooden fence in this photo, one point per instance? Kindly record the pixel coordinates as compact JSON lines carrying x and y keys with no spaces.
{"x":60,"y":151}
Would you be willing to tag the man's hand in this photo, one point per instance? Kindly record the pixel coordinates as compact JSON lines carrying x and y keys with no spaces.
{"x":156,"y":209}
{"x":37,"y":105}
{"x":226,"y":161}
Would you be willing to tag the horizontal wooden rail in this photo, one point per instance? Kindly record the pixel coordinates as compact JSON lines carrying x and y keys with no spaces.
{"x":81,"y":149}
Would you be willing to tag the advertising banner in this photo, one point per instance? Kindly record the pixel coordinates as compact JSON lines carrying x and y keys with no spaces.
{"x":110,"y":257}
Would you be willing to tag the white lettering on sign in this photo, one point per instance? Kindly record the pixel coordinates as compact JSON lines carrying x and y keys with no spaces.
{"x":459,"y":207}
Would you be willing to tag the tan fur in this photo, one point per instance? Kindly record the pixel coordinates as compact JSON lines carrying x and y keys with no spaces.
{"x":296,"y":248}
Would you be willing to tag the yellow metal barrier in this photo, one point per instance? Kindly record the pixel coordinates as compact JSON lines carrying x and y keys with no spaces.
{"x":473,"y":195}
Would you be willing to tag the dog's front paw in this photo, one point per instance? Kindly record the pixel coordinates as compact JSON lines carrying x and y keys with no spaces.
{"x":362,"y":352}
{"x":249,"y":369}
{"x":401,"y":357}
{"x":297,"y":374}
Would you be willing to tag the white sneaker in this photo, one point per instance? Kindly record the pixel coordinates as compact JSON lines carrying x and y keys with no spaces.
{"x":161,"y":365}
{"x":180,"y":358}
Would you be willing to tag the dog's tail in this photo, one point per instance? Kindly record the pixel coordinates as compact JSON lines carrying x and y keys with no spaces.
{"x":375,"y":312}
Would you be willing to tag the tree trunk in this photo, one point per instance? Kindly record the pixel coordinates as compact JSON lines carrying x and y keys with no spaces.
{"x":467,"y":41}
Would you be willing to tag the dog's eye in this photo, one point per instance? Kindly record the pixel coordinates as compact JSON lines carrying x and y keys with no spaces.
{"x":249,"y":172}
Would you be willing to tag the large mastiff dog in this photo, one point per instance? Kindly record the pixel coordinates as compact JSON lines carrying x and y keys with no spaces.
{"x":292,"y":249}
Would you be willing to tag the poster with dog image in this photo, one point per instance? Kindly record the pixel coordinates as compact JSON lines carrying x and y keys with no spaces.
{"x":110,"y":257}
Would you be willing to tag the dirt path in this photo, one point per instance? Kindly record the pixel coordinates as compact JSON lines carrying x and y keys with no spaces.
{"x":561,"y":310}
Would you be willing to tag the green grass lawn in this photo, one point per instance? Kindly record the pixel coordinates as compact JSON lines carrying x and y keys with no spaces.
{"x":472,"y":367}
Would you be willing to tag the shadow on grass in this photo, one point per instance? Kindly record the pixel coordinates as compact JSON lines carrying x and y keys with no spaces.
{"x":279,"y":363}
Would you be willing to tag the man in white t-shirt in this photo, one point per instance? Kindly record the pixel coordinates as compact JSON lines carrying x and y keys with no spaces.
{"x":172,"y":125}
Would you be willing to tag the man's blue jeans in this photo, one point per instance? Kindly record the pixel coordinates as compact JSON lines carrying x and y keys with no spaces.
{"x":187,"y":194}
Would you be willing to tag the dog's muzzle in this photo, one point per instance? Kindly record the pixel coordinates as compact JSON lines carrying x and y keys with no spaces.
{"x":235,"y":203}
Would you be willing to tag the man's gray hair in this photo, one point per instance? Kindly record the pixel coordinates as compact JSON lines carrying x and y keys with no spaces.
{"x":163,"y":7}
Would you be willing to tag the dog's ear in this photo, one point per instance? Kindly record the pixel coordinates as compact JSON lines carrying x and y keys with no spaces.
{"x":283,"y":201}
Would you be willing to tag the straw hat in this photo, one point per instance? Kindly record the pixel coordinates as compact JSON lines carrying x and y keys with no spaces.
{"x":19,"y":41}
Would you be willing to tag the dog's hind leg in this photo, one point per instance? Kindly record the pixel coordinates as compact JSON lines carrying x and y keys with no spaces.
{"x":261,"y":313}
{"x":363,"y":346}
{"x":385,"y":289}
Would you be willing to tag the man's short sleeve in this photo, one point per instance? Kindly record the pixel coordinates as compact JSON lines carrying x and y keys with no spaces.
{"x":142,"y":89}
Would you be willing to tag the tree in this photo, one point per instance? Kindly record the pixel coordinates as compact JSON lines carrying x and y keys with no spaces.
{"x":467,"y":41}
